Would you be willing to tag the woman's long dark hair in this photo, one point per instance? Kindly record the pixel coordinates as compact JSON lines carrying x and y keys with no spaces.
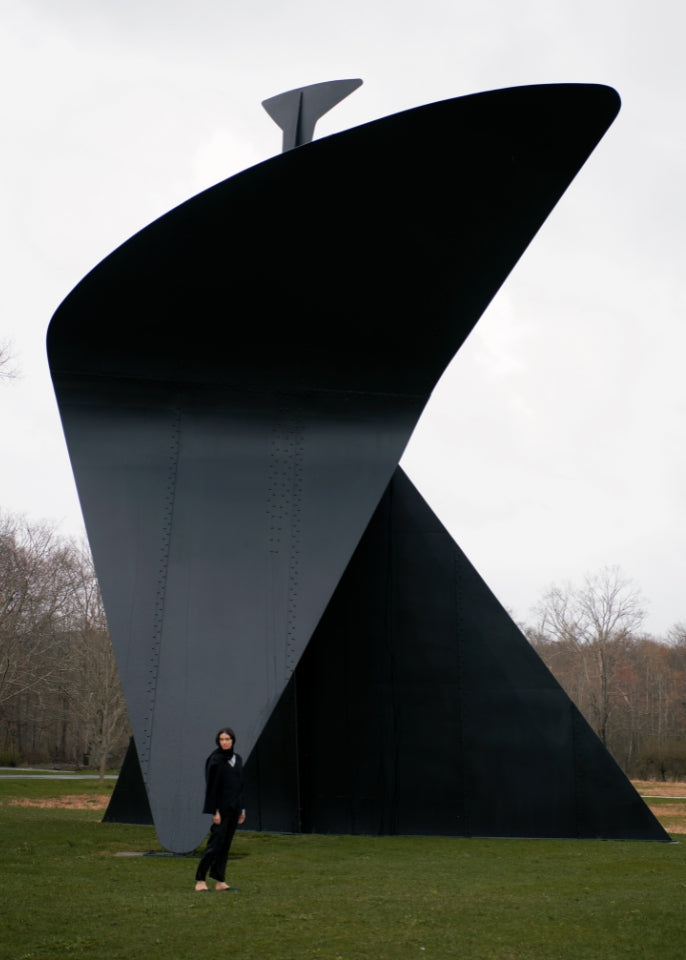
{"x":230,"y":733}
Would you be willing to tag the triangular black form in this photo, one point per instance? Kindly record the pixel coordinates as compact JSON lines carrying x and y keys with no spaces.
{"x":419,"y":707}
{"x":129,"y":800}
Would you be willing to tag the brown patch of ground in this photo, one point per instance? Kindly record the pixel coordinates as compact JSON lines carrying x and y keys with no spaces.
{"x":672,"y":816}
{"x":669,"y":809}
{"x":673,"y":827}
{"x":658,"y":788}
{"x":75,"y":802}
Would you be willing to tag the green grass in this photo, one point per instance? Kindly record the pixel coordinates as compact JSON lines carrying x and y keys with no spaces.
{"x":66,"y":893}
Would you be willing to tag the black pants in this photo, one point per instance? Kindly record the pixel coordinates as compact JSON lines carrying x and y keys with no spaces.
{"x":218,"y":845}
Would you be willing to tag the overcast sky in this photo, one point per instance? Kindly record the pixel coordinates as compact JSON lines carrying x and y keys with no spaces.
{"x":554,"y":445}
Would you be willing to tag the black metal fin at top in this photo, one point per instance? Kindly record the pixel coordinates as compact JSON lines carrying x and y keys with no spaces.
{"x":297,"y":111}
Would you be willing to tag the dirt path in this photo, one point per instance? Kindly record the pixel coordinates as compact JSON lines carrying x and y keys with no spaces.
{"x":75,"y":802}
{"x":658,"y":788}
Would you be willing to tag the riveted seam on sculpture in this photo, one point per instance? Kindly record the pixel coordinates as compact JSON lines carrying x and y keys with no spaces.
{"x":284,"y":509}
{"x":296,"y":491}
{"x":458,"y":584}
{"x":161,"y":591}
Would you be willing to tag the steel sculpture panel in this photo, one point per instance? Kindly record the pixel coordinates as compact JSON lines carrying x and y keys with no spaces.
{"x":419,"y":707}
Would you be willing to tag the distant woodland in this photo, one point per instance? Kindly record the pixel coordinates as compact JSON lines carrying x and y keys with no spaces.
{"x":61,"y":700}
{"x":60,"y":696}
{"x":630,"y":686}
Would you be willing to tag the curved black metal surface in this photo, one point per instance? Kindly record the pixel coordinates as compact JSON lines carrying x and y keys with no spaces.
{"x":237,"y":383}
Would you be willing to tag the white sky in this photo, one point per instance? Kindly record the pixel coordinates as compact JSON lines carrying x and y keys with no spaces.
{"x":554,"y":443}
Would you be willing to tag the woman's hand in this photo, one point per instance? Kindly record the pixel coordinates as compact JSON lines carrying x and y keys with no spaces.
{"x":241,"y":818}
{"x":217,"y":818}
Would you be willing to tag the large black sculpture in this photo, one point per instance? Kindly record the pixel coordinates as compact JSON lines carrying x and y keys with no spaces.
{"x":237,"y":383}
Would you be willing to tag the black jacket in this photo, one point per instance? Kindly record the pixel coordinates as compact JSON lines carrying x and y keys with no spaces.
{"x":223,"y":782}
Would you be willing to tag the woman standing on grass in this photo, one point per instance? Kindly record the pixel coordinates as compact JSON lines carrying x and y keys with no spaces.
{"x":224,"y":800}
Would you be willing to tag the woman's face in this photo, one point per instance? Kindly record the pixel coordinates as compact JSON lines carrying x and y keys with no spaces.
{"x":225,"y":741}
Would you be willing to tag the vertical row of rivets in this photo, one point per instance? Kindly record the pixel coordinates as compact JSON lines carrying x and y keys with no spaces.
{"x":296,"y":446}
{"x":462,"y":806}
{"x":284,"y":510}
{"x":277,"y":488}
{"x":161,"y":590}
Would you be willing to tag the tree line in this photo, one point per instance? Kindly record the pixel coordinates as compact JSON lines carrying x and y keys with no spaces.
{"x":61,"y":699}
{"x":60,"y":696}
{"x":630,"y":686}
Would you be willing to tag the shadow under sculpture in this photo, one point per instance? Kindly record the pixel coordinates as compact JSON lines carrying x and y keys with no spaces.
{"x":237,"y":384}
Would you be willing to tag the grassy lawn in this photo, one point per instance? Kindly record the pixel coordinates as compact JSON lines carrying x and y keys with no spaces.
{"x":67,"y":891}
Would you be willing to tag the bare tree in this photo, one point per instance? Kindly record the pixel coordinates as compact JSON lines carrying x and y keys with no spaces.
{"x":97,"y":693}
{"x":7,"y":370}
{"x":34,"y":600}
{"x":598,"y":621}
{"x":676,"y":637}
{"x":60,"y":695}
